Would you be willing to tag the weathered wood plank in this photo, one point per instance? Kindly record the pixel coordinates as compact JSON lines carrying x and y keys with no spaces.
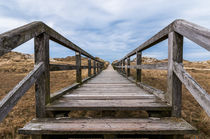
{"x":200,"y":95}
{"x":42,"y":85}
{"x":154,"y":126}
{"x":11,"y":39}
{"x":107,"y":97}
{"x":78,"y":68}
{"x":160,"y":94}
{"x":68,"y":105}
{"x":174,"y":86}
{"x":195,"y":33}
{"x":159,"y":66}
{"x":63,"y":91}
{"x":11,"y":99}
{"x":60,"y":67}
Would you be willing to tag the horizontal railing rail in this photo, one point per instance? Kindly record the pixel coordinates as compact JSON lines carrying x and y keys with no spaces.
{"x":11,"y":99}
{"x":42,"y":34}
{"x":176,"y":73}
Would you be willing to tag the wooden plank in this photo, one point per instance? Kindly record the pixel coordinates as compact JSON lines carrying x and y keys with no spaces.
{"x":160,"y":94}
{"x":11,"y":99}
{"x":78,"y":68}
{"x":108,"y":85}
{"x":63,"y":91}
{"x":11,"y":39}
{"x":67,"y":126}
{"x":89,"y":67}
{"x":107,"y":97}
{"x":138,"y":62}
{"x":146,"y":104}
{"x":137,"y":89}
{"x":42,"y":85}
{"x":174,"y":86}
{"x":110,"y":91}
{"x":195,"y":33}
{"x":200,"y":95}
{"x":59,"y":67}
{"x":20,"y":35}
{"x":159,"y":66}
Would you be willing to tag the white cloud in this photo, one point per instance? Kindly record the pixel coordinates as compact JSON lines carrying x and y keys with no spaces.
{"x":105,"y":28}
{"x":8,"y":23}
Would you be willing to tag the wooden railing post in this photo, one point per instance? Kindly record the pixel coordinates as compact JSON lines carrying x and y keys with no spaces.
{"x":138,"y":62}
{"x":89,"y":67}
{"x":98,"y":67}
{"x":121,"y":67}
{"x":42,"y":85}
{"x":78,"y":70}
{"x":123,"y":64}
{"x":94,"y":67}
{"x":175,"y":54}
{"x":128,"y":65}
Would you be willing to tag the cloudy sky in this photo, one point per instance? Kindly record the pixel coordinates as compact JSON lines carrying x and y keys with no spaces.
{"x":107,"y":28}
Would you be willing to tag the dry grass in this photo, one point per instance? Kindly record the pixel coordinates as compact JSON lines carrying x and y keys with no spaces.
{"x":191,"y":110}
{"x":13,"y":69}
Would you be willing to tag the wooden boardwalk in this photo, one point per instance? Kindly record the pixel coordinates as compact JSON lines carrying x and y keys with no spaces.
{"x":108,"y":91}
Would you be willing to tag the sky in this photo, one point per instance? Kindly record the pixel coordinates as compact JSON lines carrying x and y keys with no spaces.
{"x":108,"y":29}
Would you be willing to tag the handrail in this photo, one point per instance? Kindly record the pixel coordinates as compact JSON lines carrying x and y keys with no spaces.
{"x":41,"y":73}
{"x":202,"y":97}
{"x":11,"y":99}
{"x":175,"y":33}
{"x":195,"y":33}
{"x":11,"y":39}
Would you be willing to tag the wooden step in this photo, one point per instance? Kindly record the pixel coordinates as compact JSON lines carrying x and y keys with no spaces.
{"x":68,"y":126}
{"x":108,"y":103}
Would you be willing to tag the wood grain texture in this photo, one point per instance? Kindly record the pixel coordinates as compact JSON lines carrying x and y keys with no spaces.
{"x":60,"y":67}
{"x":108,"y":89}
{"x":195,"y":33}
{"x":154,"y":126}
{"x":174,"y":86}
{"x":158,"y":66}
{"x":63,"y":91}
{"x":42,"y":85}
{"x":11,"y":39}
{"x":200,"y":95}
{"x":11,"y":99}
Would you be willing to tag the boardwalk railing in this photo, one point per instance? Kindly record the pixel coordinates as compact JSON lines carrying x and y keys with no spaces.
{"x":40,"y":75}
{"x":176,"y":73}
